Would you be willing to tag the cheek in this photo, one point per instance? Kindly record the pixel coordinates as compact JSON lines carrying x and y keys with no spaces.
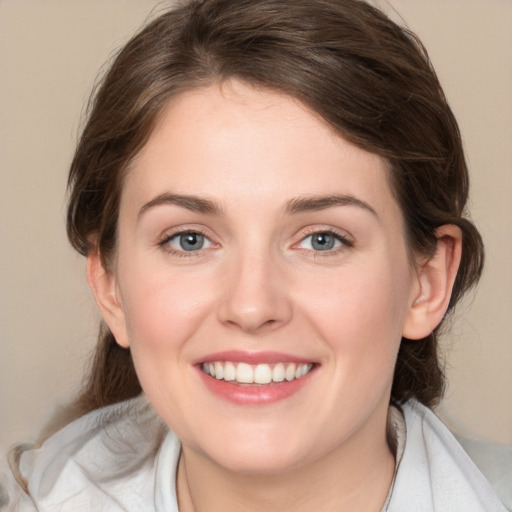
{"x":162,"y":308}
{"x":359,"y":299}
{"x":360,"y":314}
{"x":162,"y":314}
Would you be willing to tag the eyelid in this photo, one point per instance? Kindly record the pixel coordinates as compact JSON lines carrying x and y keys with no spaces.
{"x":347,"y":241}
{"x":180,"y":236}
{"x":168,"y":235}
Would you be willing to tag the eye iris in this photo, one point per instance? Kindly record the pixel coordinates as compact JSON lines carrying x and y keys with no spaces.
{"x":191,"y":241}
{"x":322,"y":242}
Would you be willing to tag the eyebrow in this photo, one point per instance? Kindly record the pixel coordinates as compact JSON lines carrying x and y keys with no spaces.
{"x":192,"y":203}
{"x":296,"y":205}
{"x":315,"y":203}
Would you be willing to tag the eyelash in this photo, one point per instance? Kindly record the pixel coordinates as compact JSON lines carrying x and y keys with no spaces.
{"x":164,"y":243}
{"x":345,"y":243}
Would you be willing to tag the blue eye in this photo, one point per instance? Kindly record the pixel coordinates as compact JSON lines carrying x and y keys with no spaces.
{"x":189,"y":242}
{"x":323,"y":241}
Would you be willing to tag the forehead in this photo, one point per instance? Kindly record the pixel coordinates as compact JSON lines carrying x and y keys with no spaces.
{"x":240,"y":143}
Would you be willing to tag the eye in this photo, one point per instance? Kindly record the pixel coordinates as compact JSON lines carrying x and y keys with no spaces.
{"x":323,"y":241}
{"x":188,"y":241}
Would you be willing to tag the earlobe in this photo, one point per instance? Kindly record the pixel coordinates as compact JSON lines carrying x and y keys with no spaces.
{"x":435,"y":278}
{"x":103,"y":284}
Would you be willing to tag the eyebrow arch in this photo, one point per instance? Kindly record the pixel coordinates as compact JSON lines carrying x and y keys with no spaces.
{"x":313,"y":203}
{"x":192,"y":203}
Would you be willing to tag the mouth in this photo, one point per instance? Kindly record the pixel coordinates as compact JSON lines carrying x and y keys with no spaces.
{"x":256,"y":374}
{"x":255,"y":378}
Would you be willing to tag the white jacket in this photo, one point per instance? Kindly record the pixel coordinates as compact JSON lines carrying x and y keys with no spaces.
{"x":122,"y":457}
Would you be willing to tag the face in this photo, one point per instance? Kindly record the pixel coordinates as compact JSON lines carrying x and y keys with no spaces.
{"x":262,"y":280}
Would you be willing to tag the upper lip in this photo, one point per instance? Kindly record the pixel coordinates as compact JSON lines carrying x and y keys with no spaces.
{"x":240,"y":356}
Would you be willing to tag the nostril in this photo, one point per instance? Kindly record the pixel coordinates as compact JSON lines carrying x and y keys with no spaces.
{"x":252,"y":325}
{"x":252,"y":301}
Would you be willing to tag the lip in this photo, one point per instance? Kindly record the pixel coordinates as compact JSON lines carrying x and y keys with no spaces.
{"x":238,"y":356}
{"x":253,"y":394}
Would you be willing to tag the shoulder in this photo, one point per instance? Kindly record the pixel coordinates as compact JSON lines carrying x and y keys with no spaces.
{"x":436,"y":471}
{"x":12,"y":495}
{"x":494,"y":460}
{"x":102,"y":461}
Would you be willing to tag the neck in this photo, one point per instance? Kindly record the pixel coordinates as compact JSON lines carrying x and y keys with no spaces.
{"x":355,"y":476}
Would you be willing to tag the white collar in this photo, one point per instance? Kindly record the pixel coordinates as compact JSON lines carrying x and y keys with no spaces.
{"x":165,"y":481}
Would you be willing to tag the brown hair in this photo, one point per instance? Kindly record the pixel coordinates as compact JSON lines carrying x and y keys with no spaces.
{"x":368,"y":78}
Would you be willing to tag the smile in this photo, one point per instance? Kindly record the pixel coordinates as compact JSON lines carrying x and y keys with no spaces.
{"x":244,"y":373}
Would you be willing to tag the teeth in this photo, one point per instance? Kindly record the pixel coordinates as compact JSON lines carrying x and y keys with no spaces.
{"x":229,"y":371}
{"x":256,"y":374}
{"x":244,"y":373}
{"x":289,"y":373}
{"x":262,"y":374}
{"x":278,"y":372}
{"x":219,"y":371}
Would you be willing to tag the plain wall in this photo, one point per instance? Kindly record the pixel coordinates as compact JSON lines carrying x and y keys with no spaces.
{"x":50,"y":52}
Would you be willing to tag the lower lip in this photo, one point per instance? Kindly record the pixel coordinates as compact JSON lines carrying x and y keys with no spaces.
{"x":257,"y":394}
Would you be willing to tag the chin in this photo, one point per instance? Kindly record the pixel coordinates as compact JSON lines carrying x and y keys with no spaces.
{"x":257,"y":462}
{"x":257,"y":450}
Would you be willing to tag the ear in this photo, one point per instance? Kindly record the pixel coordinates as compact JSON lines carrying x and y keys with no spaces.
{"x":104,"y":287}
{"x":435,"y":278}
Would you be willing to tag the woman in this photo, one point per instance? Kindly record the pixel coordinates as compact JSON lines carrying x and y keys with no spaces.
{"x":270,"y":196}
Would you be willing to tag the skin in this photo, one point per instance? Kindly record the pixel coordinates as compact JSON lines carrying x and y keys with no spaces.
{"x":258,"y":285}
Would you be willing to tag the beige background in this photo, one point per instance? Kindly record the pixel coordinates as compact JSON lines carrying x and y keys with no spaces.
{"x":50,"y":51}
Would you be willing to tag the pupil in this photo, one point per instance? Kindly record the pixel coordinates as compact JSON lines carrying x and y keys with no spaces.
{"x":191,"y":241}
{"x":323,"y":242}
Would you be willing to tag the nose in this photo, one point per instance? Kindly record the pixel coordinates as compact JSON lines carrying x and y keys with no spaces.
{"x":256,"y":296}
